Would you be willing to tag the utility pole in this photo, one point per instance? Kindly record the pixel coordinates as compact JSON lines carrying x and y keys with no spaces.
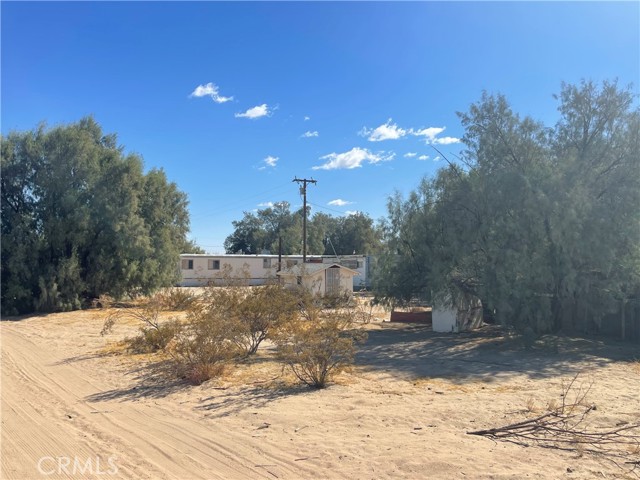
{"x":303,"y":190}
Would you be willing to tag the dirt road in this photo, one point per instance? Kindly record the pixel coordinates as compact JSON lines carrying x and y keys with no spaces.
{"x":50,"y":428}
{"x":71,"y":411}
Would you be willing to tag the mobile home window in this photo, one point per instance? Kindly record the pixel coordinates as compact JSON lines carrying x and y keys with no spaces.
{"x":350,"y":263}
{"x":214,"y":264}
{"x":187,"y":264}
{"x":266,"y":263}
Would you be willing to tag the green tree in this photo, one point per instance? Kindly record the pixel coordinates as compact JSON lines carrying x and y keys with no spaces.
{"x":540,"y":223}
{"x":261,"y":231}
{"x":356,"y":234}
{"x":191,"y":246}
{"x":81,"y":219}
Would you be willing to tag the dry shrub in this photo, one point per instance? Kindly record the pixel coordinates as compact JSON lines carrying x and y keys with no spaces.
{"x":250,"y":314}
{"x":153,"y":339}
{"x":337,"y":300}
{"x":316,"y":350}
{"x":175,"y":298}
{"x":263,"y":311}
{"x":530,"y":405}
{"x":200,"y":373}
{"x":103,"y":301}
{"x":154,"y":335}
{"x":313,"y":306}
{"x":201,"y":349}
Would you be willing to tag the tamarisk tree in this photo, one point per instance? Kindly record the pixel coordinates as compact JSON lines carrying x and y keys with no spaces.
{"x":541,"y":223}
{"x":80,"y":218}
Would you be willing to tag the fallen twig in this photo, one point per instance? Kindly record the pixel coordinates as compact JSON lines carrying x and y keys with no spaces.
{"x":564,"y":428}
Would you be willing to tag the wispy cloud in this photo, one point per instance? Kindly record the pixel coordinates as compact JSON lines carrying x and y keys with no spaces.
{"x":423,"y":157}
{"x":338,"y":202}
{"x":307,"y":118}
{"x":271,"y":161}
{"x":446,"y":140}
{"x":352,"y":159}
{"x":437,"y":158}
{"x":410,"y":154}
{"x":266,"y":204}
{"x":210,"y":90}
{"x":431,"y":136}
{"x":428,"y":133}
{"x":386,"y":131}
{"x":391,"y":131}
{"x":309,"y":134}
{"x":255,"y":112}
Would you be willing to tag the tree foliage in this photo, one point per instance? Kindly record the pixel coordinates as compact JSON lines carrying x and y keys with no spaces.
{"x":80,"y":219}
{"x":325,"y":234}
{"x":540,"y":223}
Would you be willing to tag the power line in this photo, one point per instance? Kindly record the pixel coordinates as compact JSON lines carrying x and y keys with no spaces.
{"x":326,"y":208}
{"x":237,"y":203}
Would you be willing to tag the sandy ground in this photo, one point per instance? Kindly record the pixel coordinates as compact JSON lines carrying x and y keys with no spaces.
{"x":402,"y":412}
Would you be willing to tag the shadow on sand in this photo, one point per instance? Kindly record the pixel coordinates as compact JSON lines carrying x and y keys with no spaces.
{"x":413,"y":351}
{"x":235,"y":400}
{"x":150,"y":380}
{"x":157,"y":380}
{"x":402,"y":351}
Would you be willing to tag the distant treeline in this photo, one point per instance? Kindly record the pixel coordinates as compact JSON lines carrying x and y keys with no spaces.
{"x":326,"y":234}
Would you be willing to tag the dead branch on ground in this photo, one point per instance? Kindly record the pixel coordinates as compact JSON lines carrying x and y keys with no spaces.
{"x":567,"y":427}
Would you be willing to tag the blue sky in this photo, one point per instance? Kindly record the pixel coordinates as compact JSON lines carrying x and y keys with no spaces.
{"x":233,"y":100}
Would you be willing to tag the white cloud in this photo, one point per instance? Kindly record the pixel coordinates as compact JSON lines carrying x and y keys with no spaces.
{"x":437,"y":158}
{"x":266,"y":204}
{"x":351,"y":212}
{"x":210,"y":90}
{"x":309,"y":134}
{"x":255,"y":112}
{"x":271,"y":161}
{"x":423,"y":157}
{"x":446,"y":140}
{"x":431,"y":136}
{"x":386,"y":131}
{"x":429,"y":133}
{"x":338,"y":202}
{"x":410,"y":155}
{"x":352,"y":159}
{"x":307,"y":118}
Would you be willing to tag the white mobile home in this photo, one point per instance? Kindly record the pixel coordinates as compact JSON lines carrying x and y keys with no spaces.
{"x":201,"y":269}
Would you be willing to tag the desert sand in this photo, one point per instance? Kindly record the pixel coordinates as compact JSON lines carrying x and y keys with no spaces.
{"x":403,"y":411}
